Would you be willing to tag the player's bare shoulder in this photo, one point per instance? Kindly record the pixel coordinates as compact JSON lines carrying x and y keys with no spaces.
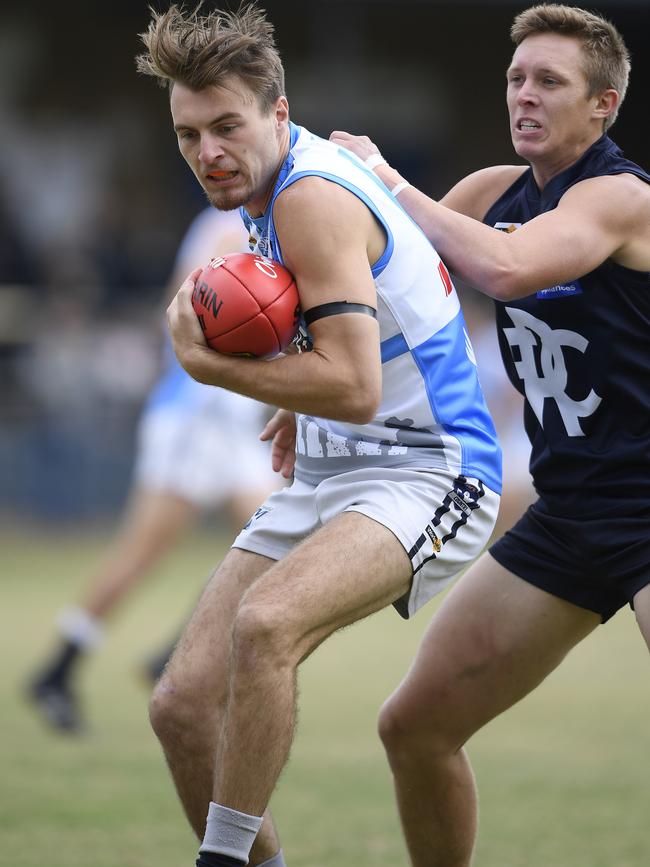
{"x":622,"y":203}
{"x":636,"y":193}
{"x":476,"y":193}
{"x":318,"y":210}
{"x":314,"y":192}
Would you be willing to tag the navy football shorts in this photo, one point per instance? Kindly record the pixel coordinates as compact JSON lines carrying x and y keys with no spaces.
{"x":594,"y":562}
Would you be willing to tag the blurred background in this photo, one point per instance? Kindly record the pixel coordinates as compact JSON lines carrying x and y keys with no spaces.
{"x":94,"y":201}
{"x":94,"y":198}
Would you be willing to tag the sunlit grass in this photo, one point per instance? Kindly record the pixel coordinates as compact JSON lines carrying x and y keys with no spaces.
{"x":563,"y":777}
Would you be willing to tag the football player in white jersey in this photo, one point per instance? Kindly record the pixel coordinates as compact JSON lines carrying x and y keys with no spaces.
{"x":197,"y":450}
{"x":398,"y":469}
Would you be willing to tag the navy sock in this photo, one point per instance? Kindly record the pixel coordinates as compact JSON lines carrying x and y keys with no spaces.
{"x":59,"y":668}
{"x":213,"y":859}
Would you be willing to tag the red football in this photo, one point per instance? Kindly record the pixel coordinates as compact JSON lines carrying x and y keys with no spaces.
{"x":247,"y":305}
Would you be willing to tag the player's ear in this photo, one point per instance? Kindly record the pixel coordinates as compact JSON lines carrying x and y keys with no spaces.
{"x":282,"y":111}
{"x":606,"y":103}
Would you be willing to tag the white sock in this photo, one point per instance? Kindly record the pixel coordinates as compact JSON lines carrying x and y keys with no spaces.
{"x":229,"y":832}
{"x":275,"y":861}
{"x":81,"y":628}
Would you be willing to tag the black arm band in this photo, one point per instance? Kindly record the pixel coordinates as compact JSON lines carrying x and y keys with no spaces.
{"x":336,"y":307}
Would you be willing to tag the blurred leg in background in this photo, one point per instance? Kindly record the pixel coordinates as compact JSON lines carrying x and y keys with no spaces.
{"x":188,"y":462}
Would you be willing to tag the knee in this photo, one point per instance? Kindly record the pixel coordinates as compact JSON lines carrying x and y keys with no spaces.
{"x":262,"y":639}
{"x":412,"y":734}
{"x":395,"y":726}
{"x":174,"y":712}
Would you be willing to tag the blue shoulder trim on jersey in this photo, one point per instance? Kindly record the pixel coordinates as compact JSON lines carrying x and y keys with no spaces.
{"x":352,"y":158}
{"x":393,"y":347}
{"x":344,"y":152}
{"x":294,"y":133}
{"x":384,"y":259}
{"x":246,"y":217}
{"x":268,"y":244}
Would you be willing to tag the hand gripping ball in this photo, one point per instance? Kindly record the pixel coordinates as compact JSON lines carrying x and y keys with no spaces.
{"x":247,"y":305}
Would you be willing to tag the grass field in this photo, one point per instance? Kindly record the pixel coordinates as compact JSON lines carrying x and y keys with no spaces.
{"x":563,"y":777}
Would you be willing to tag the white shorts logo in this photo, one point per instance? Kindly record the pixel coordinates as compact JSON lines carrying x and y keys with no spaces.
{"x":553,"y":381}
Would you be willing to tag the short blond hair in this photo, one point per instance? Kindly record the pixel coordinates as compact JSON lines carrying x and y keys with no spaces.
{"x":606,"y":58}
{"x":200,"y":50}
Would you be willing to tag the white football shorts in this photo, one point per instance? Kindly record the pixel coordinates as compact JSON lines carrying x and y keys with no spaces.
{"x":442,"y":521}
{"x":202,"y":452}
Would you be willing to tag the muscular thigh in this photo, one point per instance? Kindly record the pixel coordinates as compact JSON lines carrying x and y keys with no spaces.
{"x":493,"y":640}
{"x":642,"y":611}
{"x":348,"y":569}
{"x":200,"y":660}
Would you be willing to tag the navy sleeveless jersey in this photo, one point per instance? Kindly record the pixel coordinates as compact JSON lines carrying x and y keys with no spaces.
{"x":580,"y":354}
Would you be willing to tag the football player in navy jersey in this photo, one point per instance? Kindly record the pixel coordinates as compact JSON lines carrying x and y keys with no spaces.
{"x":570,"y":277}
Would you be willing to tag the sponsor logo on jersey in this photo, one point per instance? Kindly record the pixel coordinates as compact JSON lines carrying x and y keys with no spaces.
{"x":446,"y":279}
{"x":459,"y":503}
{"x":264,"y":245}
{"x":435,"y":541}
{"x":469,"y":490}
{"x":561,"y":290}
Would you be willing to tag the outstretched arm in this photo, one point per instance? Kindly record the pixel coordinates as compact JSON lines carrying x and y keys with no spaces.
{"x":597,"y":219}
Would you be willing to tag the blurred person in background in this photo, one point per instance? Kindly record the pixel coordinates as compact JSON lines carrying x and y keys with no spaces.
{"x":570,"y":271}
{"x":197,"y":450}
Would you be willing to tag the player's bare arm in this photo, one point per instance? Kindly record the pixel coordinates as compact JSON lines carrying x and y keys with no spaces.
{"x":600,"y":218}
{"x":329,"y":256}
{"x":471,"y":196}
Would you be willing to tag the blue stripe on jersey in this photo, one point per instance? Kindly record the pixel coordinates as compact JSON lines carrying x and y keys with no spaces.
{"x":264,"y":224}
{"x":392,"y":347}
{"x":384,"y":259}
{"x":348,"y":155}
{"x":457,"y":401}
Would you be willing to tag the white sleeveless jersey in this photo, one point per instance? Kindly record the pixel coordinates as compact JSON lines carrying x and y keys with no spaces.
{"x":432,"y":413}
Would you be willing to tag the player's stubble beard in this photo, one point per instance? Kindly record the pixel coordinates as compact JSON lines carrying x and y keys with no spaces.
{"x":226,"y":202}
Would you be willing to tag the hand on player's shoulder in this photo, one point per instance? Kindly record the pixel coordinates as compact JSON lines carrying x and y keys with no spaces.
{"x":360,"y":145}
